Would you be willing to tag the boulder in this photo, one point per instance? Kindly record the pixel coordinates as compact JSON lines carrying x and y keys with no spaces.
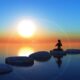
{"x":72,"y":51}
{"x":57,"y":52}
{"x":4,"y":69}
{"x":58,"y":49}
{"x":40,"y":56}
{"x":19,"y":61}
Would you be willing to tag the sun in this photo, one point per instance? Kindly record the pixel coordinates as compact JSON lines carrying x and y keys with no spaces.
{"x":26,"y":28}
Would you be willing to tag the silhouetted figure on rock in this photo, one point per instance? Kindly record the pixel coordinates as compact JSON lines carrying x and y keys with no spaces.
{"x":59,"y":44}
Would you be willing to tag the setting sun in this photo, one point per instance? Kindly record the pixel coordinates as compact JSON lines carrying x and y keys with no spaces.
{"x":26,"y":28}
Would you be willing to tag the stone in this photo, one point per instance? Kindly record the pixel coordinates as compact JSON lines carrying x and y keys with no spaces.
{"x":4,"y":69}
{"x":40,"y":56}
{"x":19,"y":61}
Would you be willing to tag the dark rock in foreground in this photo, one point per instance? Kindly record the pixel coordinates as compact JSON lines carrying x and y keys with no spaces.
{"x":40,"y":56}
{"x":72,"y":51}
{"x":19,"y":61}
{"x":4,"y":69}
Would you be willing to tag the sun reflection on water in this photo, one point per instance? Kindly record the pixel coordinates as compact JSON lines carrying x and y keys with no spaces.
{"x":25,"y":51}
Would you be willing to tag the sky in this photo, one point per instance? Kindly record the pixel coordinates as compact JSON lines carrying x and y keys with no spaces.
{"x":57,"y":17}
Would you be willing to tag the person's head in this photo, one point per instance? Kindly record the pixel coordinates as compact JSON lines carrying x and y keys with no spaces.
{"x":59,"y":40}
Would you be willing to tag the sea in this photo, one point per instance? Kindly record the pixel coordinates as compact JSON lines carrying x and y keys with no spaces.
{"x":66,"y":67}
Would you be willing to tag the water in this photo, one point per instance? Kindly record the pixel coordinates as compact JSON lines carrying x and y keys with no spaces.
{"x":56,"y":68}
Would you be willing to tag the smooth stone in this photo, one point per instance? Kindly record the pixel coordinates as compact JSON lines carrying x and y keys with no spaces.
{"x":19,"y":61}
{"x":4,"y":69}
{"x":57,"y":52}
{"x":58,"y":49}
{"x":40,"y":56}
{"x":72,"y":51}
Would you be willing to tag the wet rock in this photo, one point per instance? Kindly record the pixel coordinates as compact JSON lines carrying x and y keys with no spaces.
{"x":40,"y":56}
{"x":19,"y":61}
{"x":72,"y":51}
{"x":5,"y":69}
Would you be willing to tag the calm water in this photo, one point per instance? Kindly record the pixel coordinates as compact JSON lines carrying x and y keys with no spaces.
{"x":65,"y":68}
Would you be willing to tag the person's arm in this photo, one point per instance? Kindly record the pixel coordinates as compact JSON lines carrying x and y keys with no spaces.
{"x":56,"y":44}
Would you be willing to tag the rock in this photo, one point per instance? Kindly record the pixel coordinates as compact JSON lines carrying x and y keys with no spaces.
{"x":58,"y":49}
{"x":72,"y":51}
{"x":57,"y":52}
{"x":19,"y":61}
{"x":4,"y":69}
{"x":40,"y":56}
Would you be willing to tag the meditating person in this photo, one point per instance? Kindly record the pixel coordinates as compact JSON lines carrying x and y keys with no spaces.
{"x":59,"y":44}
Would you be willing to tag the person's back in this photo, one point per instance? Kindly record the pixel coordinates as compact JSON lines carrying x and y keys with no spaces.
{"x":59,"y":44}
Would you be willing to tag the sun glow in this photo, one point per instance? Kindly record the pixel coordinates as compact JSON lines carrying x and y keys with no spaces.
{"x":25,"y":51}
{"x":26,"y":28}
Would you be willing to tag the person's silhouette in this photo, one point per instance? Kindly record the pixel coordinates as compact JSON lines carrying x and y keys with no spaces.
{"x":59,"y":44}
